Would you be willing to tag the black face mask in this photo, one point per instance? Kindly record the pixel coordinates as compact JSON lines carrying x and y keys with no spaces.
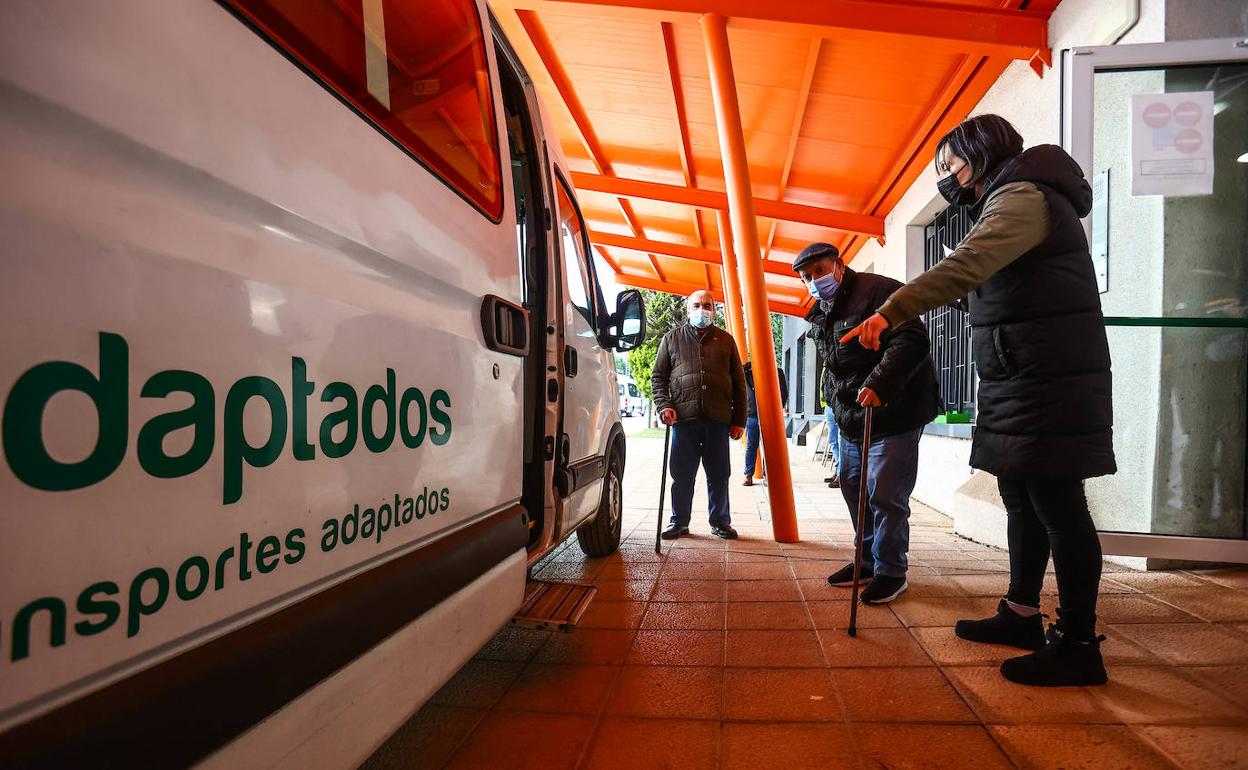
{"x":956,"y":194}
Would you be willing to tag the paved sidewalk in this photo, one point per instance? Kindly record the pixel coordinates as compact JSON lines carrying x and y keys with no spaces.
{"x":734,"y":655}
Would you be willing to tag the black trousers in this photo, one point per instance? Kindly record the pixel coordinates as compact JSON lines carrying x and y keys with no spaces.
{"x":1051,"y":516}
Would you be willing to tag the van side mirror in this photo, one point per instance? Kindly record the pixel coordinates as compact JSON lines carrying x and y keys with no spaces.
{"x":629,"y":320}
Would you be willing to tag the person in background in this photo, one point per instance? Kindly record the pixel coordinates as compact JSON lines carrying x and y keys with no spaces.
{"x":699,"y":389}
{"x":752,"y":433}
{"x":1045,"y":415}
{"x":825,"y":400}
{"x":899,"y":381}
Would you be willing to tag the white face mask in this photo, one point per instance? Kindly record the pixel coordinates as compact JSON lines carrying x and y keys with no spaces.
{"x":701,"y":318}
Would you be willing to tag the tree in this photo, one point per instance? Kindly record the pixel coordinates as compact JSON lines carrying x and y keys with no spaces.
{"x":621,"y":365}
{"x":664,"y":312}
{"x":641,"y":361}
{"x":777,"y":335}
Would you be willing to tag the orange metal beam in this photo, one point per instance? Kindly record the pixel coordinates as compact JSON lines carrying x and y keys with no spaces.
{"x":795,"y":133}
{"x":685,"y":289}
{"x":940,"y":26}
{"x":753,"y":282}
{"x":563,"y":84}
{"x":682,"y":120}
{"x":732,"y":283}
{"x":677,"y":251}
{"x":709,"y":199}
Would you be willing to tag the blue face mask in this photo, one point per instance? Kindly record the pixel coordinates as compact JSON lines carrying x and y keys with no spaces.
{"x":701,"y":318}
{"x":824,"y":287}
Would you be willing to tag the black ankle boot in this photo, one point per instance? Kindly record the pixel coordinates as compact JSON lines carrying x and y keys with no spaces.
{"x":1064,"y":662}
{"x":1006,"y":627}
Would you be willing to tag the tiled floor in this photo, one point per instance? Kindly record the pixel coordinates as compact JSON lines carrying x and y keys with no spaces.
{"x":735,"y":655}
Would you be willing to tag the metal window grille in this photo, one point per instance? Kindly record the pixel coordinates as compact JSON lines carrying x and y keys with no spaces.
{"x":949,"y":329}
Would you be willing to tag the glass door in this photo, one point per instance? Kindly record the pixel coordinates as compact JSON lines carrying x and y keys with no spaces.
{"x":1161,"y":132}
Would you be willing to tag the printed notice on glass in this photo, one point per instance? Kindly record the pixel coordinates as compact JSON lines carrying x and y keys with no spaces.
{"x":1172,"y":143}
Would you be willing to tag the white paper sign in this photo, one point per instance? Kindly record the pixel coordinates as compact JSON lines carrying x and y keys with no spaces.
{"x":1172,"y":143}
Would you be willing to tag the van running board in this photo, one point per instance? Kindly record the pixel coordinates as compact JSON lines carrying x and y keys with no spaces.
{"x":556,"y":606}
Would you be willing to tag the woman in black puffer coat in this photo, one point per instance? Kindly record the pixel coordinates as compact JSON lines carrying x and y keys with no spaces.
{"x":1045,"y":416}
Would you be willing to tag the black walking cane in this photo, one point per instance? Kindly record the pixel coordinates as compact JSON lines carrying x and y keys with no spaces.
{"x":658,"y":528}
{"x":862,"y":513}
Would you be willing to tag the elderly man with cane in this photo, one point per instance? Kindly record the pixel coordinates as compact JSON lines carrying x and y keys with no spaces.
{"x":899,"y":381}
{"x":699,"y":389}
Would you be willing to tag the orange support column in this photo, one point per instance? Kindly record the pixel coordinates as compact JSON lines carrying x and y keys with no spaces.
{"x":754,"y":289}
{"x":732,"y":284}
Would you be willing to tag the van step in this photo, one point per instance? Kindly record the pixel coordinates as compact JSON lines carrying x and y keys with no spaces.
{"x":556,"y":606}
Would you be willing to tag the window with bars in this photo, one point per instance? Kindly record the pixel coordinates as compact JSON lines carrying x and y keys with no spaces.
{"x":949,"y":329}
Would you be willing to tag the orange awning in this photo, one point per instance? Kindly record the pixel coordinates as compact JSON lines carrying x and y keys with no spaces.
{"x":842,"y":102}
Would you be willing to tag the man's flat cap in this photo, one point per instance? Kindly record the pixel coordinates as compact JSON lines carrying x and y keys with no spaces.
{"x":814,"y":251}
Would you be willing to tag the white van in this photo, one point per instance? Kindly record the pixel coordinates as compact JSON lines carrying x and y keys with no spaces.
{"x":303,"y":361}
{"x":632,"y":402}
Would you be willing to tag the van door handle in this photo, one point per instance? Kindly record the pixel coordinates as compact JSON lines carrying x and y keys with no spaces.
{"x":569,"y":361}
{"x":505,"y":326}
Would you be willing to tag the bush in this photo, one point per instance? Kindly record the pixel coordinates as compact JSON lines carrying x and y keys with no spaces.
{"x":641,"y":362}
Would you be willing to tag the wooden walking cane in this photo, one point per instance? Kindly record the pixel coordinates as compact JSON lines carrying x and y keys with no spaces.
{"x":658,"y":528}
{"x":862,"y":512}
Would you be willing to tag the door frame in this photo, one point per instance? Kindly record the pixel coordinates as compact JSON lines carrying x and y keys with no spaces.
{"x":1079,"y":68}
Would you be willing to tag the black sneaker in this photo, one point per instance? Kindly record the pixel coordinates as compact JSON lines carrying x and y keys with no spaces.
{"x":1006,"y":627}
{"x":727,"y":533}
{"x":844,"y":577}
{"x":884,"y":589}
{"x":1062,"y":662}
{"x":673,"y":532}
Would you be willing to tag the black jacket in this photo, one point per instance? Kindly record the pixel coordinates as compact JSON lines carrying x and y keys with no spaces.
{"x":752,"y":400}
{"x":700,"y":376}
{"x":1038,"y":338}
{"x":900,"y":372}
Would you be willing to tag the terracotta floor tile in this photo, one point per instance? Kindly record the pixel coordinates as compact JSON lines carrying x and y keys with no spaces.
{"x":622,"y":742}
{"x":928,"y":747}
{"x":948,"y":650}
{"x":900,"y":695}
{"x":700,"y":538}
{"x":763,"y":591}
{"x":677,"y":692}
{"x":767,"y":615}
{"x":691,"y":555}
{"x":1206,"y":748}
{"x":936,"y":585}
{"x":835,"y":614}
{"x":1227,"y":681}
{"x":789,"y":746}
{"x":583,"y":571}
{"x":677,"y":648}
{"x":586,"y":645}
{"x":694,"y":570}
{"x":777,"y":569}
{"x":1138,"y":608}
{"x":1120,"y":650}
{"x":995,"y":700}
{"x":805,"y":569}
{"x":426,"y":740}
{"x":780,"y":695}
{"x":629,"y":570}
{"x":623,"y":590}
{"x":774,"y":649}
{"x":1188,"y":643}
{"x":684,"y":616}
{"x":873,"y":647}
{"x":1078,"y":747}
{"x":1155,"y":695}
{"x":527,"y":740}
{"x":982,"y":585}
{"x":1231,"y":578}
{"x":479,"y":684}
{"x":1153,"y":581}
{"x":689,"y":591}
{"x":514,"y":644}
{"x":1209,"y":602}
{"x":577,"y":689}
{"x":608,"y":614}
{"x":943,"y":610}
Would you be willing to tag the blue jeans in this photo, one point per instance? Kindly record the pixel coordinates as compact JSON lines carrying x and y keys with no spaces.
{"x":751,"y":445}
{"x":706,"y":442}
{"x":834,"y":440}
{"x":891,"y":472}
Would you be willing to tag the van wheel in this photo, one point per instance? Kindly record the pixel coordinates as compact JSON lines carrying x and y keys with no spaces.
{"x":601,"y":537}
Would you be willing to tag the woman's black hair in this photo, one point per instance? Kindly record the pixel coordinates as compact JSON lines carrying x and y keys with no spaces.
{"x":984,"y":141}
